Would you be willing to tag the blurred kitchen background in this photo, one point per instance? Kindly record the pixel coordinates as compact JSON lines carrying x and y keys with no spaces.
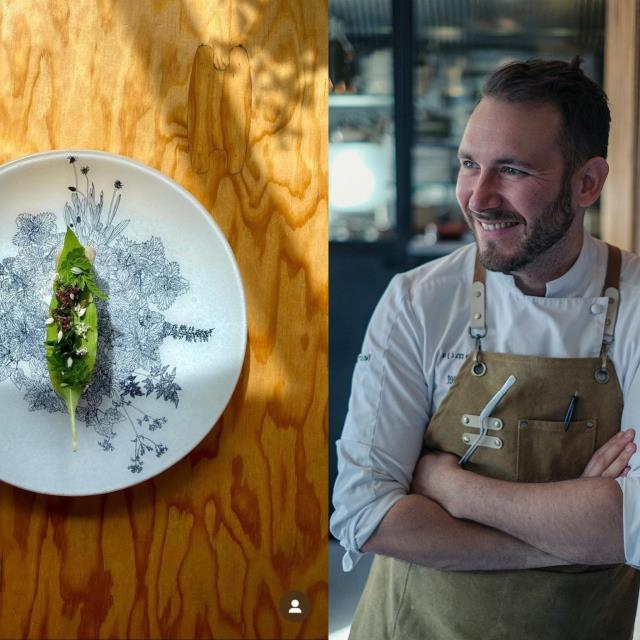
{"x":405,"y":75}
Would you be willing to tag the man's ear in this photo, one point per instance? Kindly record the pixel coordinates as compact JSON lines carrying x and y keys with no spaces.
{"x":589,"y":180}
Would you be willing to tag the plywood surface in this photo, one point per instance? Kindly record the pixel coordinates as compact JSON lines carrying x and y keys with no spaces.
{"x":207,"y":548}
{"x":621,"y":195}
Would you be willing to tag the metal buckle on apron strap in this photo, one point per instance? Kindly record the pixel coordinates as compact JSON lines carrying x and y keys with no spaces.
{"x":484,"y":422}
{"x":478,"y":368}
{"x":602,"y":374}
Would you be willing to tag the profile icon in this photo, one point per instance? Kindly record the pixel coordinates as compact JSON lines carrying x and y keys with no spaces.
{"x":295,"y":606}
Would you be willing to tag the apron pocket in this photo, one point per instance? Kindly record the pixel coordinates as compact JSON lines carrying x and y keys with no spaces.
{"x":547,"y":453}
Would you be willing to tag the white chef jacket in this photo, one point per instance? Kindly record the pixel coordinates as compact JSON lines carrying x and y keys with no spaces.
{"x":415,"y":344}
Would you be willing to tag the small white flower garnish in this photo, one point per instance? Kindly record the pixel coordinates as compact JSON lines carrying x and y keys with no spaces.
{"x":69,"y":362}
{"x":82,"y":312}
{"x":82,"y":351}
{"x":72,"y":296}
{"x":49,"y":321}
{"x":60,"y":334}
{"x":81,"y":329}
{"x":76,"y":270}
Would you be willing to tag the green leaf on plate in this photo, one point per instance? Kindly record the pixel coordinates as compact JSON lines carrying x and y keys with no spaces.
{"x":71,"y":342}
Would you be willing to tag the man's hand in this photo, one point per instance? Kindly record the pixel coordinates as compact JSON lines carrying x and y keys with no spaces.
{"x":578,"y":520}
{"x":612,"y":458}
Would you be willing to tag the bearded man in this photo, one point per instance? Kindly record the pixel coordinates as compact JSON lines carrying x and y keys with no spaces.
{"x":488,"y":455}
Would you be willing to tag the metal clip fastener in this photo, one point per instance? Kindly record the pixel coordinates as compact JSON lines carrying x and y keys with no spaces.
{"x":478,"y":368}
{"x":602,"y":375}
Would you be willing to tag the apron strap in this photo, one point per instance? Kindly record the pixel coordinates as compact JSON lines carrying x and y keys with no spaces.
{"x":478,"y":324}
{"x":479,"y":272}
{"x":611,"y":281}
{"x":612,"y":292}
{"x":614,"y":262}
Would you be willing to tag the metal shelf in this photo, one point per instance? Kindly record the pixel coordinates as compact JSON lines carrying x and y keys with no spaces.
{"x":359,"y":100}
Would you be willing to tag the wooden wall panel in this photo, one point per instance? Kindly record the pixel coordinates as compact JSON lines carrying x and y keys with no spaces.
{"x":207,"y":548}
{"x":621,"y":195}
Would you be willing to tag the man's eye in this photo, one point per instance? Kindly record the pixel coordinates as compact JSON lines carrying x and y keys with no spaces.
{"x":467,"y":164}
{"x":510,"y":171}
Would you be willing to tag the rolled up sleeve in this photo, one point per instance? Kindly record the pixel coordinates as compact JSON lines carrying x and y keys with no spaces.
{"x":388,"y":413}
{"x":631,"y":519}
{"x":630,"y":485}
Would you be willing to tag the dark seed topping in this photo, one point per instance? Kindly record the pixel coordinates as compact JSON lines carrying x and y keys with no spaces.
{"x":64,"y":321}
{"x":67,"y":297}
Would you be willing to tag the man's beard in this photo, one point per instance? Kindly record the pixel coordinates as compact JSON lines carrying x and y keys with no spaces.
{"x":545,"y":232}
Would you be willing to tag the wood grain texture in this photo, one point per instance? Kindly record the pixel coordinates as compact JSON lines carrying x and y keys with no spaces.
{"x":235,"y":107}
{"x":207,"y":548}
{"x":621,"y":195}
{"x":201,"y":107}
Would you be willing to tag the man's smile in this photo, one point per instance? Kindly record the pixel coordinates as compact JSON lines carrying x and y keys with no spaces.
{"x":494,"y":226}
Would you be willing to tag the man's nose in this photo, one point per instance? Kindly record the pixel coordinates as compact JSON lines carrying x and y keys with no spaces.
{"x":485,"y":193}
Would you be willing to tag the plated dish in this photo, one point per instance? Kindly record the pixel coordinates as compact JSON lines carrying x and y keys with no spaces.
{"x":172,"y":334}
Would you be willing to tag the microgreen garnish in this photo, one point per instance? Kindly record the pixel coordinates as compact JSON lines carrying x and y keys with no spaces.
{"x":75,"y":271}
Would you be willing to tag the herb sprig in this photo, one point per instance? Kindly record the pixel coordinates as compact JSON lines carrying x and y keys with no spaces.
{"x":75,"y":271}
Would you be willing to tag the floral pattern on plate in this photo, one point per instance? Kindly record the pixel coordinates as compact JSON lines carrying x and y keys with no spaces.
{"x":141,"y":284}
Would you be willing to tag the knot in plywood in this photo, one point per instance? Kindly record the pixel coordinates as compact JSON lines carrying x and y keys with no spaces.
{"x":219,"y":109}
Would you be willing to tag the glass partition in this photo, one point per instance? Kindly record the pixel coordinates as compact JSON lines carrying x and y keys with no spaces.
{"x":453,"y":45}
{"x":362,"y":188}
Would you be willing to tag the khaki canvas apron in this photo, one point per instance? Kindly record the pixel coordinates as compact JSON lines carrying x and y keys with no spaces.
{"x":526,"y":442}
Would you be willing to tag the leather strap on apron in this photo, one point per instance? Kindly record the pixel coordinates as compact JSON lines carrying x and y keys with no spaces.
{"x":527,"y":442}
{"x":612,"y":277}
{"x":610,"y":290}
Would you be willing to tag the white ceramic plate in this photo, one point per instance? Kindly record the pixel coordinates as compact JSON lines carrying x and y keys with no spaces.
{"x":172,"y":335}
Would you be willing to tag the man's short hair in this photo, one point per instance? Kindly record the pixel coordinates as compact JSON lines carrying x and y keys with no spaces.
{"x":581,"y":101}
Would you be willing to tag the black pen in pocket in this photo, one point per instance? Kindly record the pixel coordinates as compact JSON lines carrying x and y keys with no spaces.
{"x":570,"y":411}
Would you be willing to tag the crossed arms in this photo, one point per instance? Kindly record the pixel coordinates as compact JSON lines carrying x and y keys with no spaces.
{"x":458,"y":520}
